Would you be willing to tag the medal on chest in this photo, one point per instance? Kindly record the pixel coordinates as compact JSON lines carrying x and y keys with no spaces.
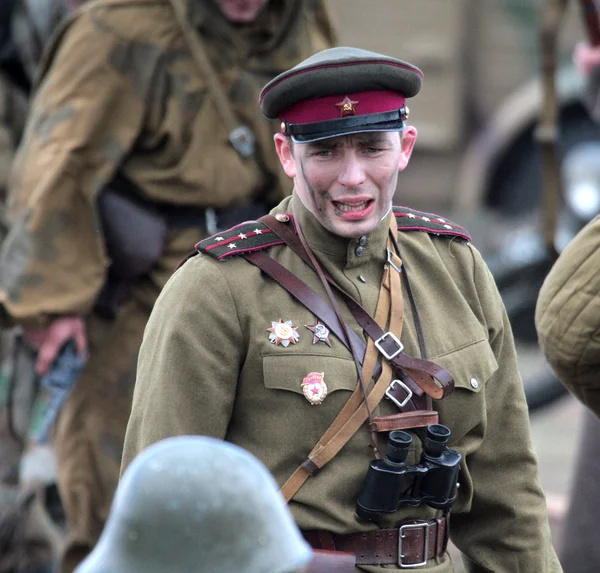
{"x":283,"y":332}
{"x":320,"y":332}
{"x":314,"y":387}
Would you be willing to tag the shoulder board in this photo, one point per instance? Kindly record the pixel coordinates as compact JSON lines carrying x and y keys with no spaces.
{"x":243,"y":238}
{"x":412,"y":220}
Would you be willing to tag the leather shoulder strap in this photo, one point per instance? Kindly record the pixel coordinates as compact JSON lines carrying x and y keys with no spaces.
{"x":413,"y":220}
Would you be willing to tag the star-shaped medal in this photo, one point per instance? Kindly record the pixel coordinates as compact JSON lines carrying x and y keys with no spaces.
{"x":283,"y":332}
{"x":347,"y":106}
{"x":320,"y":332}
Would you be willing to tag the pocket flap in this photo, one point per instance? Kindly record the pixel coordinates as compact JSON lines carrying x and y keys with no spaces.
{"x":286,"y":372}
{"x":471,"y":366}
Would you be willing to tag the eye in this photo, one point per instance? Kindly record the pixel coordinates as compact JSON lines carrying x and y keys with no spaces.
{"x":322,"y":153}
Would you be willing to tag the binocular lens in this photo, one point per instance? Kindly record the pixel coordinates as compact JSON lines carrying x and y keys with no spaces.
{"x":398,"y":444}
{"x":438,"y":433}
{"x":400,"y":439}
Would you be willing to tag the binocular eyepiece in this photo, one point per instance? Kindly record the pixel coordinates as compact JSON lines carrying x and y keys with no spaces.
{"x":391,"y":482}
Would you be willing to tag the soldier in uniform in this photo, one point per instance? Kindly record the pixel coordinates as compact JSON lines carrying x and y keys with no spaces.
{"x":273,"y":333}
{"x":143,"y":131}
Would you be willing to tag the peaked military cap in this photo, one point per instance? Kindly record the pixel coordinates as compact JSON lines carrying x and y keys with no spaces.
{"x":340,"y":91}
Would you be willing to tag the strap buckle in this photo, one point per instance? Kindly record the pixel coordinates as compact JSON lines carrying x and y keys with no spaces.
{"x":401,"y":537}
{"x":242,"y":140}
{"x":390,"y":261}
{"x":380,"y":340}
{"x":404,"y":387}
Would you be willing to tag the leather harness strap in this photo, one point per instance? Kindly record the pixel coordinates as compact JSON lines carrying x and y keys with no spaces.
{"x":311,"y":300}
{"x":421,"y":371}
{"x":355,"y":411}
{"x":413,"y":543}
{"x":404,"y":421}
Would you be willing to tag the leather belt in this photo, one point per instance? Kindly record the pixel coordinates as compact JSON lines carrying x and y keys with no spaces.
{"x":412,"y":544}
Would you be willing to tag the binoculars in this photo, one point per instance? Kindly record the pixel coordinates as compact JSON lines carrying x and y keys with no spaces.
{"x":391,"y":482}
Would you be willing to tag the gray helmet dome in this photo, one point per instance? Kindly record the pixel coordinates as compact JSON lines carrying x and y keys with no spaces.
{"x":194,"y":504}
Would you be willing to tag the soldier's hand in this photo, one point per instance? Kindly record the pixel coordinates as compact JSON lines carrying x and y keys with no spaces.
{"x":49,"y":341}
{"x":586,"y":58}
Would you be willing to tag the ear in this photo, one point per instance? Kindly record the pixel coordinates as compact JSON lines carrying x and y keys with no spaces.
{"x":285,"y":153}
{"x":408,"y":140}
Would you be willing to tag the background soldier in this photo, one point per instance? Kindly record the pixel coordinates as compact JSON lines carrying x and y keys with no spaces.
{"x":229,"y":353}
{"x":567,"y":324}
{"x":143,"y":135}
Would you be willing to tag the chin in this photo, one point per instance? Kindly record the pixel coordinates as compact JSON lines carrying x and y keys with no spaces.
{"x":354,"y":231}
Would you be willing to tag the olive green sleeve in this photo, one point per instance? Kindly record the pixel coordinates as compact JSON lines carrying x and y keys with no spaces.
{"x":568,"y":316}
{"x":84,"y":119}
{"x":506,"y":528}
{"x":189,"y":360}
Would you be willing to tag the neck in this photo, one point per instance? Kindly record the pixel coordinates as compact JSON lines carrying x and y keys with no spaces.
{"x":348,"y":251}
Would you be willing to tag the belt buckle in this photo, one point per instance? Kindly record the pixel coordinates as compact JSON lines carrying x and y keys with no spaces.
{"x":408,"y":391}
{"x":395,"y":339}
{"x":401,"y":536}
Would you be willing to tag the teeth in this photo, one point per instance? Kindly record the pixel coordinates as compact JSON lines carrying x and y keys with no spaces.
{"x":351,"y":206}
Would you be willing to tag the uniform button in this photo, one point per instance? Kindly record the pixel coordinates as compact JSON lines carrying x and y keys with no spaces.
{"x":362,"y":279}
{"x":362,"y":241}
{"x":360,"y":251}
{"x":474,"y":383}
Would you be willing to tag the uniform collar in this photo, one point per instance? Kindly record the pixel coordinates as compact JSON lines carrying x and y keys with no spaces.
{"x":350,"y":252}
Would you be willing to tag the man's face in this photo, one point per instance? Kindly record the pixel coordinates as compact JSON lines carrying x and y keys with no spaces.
{"x":347,"y":182}
{"x":241,"y":11}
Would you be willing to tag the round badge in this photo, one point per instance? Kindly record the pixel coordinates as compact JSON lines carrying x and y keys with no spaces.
{"x":314,"y":387}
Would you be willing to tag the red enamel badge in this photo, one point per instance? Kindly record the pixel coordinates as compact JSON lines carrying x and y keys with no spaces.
{"x":314,"y":387}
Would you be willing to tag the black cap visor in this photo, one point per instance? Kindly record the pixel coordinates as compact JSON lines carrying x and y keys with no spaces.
{"x":309,"y":132}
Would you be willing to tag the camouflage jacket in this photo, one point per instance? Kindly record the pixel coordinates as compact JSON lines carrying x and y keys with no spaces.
{"x":120,"y":90}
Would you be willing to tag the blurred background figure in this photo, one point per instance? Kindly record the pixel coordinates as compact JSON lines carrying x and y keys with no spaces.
{"x":143,"y":135}
{"x":568,"y":323}
{"x":198,"y":504}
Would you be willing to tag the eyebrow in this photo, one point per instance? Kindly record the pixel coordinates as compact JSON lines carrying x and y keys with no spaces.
{"x":364,"y":139}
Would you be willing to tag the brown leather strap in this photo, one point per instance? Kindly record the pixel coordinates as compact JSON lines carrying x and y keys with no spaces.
{"x":331,"y":562}
{"x":355,"y":411}
{"x":307,"y":296}
{"x":412,"y":543}
{"x":423,"y":372}
{"x":404,"y":421}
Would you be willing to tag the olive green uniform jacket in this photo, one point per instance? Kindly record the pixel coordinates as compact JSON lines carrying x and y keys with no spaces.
{"x":120,"y":92}
{"x":568,"y":316}
{"x":206,"y":366}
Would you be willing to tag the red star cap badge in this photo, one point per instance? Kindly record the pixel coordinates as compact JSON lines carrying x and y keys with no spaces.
{"x":347,"y":106}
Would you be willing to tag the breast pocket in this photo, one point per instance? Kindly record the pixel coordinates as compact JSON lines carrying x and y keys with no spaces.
{"x":472,"y":368}
{"x":307,"y":391}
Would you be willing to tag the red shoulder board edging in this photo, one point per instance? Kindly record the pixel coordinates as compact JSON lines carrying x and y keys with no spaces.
{"x":243,"y":238}
{"x":412,"y":220}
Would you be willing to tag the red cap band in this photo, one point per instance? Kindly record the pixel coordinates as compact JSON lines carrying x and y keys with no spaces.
{"x":334,"y":107}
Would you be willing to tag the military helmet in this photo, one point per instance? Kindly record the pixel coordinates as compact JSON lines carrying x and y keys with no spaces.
{"x":194,"y":503}
{"x":341,"y":91}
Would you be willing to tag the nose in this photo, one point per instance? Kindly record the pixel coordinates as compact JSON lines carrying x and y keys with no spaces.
{"x":352,"y":173}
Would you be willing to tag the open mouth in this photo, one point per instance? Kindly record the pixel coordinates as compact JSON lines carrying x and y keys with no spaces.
{"x":346,"y":207}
